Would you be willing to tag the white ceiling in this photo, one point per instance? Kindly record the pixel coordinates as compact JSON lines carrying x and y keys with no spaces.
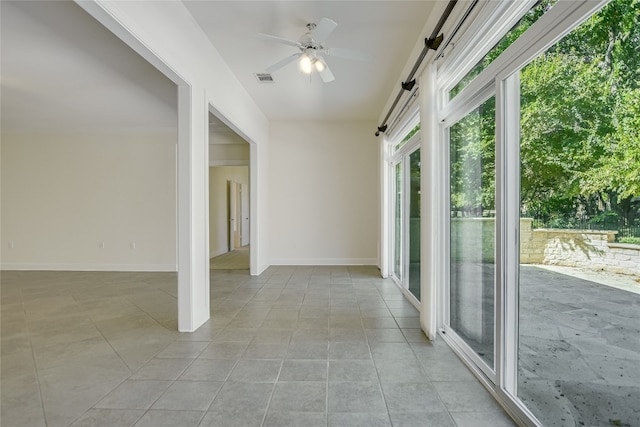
{"x":388,"y":30}
{"x":62,"y":70}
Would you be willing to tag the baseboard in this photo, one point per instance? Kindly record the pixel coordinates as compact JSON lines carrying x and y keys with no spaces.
{"x":325,"y":261}
{"x":89,"y":267}
{"x":261,"y":270}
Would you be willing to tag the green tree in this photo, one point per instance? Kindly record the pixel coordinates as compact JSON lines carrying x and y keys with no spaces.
{"x":580,"y":140}
{"x":565,"y":125}
{"x":472,"y":153}
{"x":580,"y":124}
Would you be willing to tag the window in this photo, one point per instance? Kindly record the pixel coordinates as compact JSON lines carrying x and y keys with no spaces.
{"x":525,"y":22}
{"x":407,"y":137}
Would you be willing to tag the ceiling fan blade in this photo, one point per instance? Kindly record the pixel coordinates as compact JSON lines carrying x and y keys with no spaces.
{"x":348,"y":54}
{"x":325,"y":74}
{"x":282,"y":62}
{"x":277,"y":39}
{"x":323,"y":29}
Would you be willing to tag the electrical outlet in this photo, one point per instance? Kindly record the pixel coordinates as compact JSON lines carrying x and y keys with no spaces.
{"x":133,"y":245}
{"x":12,"y":244}
{"x":101,"y":245}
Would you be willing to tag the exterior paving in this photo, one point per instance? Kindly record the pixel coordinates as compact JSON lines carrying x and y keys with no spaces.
{"x":579,"y":350}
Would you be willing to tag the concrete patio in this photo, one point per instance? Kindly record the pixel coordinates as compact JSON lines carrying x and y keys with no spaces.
{"x":579,"y":347}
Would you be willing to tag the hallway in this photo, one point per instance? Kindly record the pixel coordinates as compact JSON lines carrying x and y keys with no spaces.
{"x":237,"y":259}
{"x":313,"y":346}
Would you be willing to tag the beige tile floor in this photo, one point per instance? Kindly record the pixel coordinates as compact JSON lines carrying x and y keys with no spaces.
{"x":311,"y":346}
{"x":237,"y":259}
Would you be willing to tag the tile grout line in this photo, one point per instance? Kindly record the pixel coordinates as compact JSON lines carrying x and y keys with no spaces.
{"x":326,"y":398}
{"x":33,"y":356}
{"x":264,"y":417}
{"x":131,"y":372}
{"x":375,"y":365}
{"x":273,"y":389}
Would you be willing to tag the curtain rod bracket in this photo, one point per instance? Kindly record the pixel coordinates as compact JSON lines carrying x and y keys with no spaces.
{"x":434,"y":43}
{"x":382,"y":129}
{"x":408,"y":85}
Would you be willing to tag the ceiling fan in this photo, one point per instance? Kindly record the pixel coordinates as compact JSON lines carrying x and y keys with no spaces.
{"x":312,"y":50}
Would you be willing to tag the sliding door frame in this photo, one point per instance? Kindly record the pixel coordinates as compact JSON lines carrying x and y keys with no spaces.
{"x":500,"y":78}
{"x":402,"y":156}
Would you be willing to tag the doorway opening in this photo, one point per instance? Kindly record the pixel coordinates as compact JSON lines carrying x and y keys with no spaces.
{"x":229,"y":198}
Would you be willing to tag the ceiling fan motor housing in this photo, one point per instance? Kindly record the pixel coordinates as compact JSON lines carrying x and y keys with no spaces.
{"x":307,"y":42}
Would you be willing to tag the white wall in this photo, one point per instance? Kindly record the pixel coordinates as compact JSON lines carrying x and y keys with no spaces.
{"x":323,"y":193}
{"x":218,"y":221}
{"x":63,"y":194}
{"x":164,"y":33}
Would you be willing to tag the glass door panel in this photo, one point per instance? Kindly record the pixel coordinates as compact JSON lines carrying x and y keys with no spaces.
{"x":397,"y":218}
{"x":406,"y":216}
{"x":414,"y":224}
{"x":473,"y":229}
{"x":579,"y":321}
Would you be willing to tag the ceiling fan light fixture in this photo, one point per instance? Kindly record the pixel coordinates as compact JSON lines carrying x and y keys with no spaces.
{"x":312,"y":50}
{"x":305,"y":64}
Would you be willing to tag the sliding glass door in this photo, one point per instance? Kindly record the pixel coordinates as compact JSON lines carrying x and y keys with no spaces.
{"x":579,"y":308}
{"x":413,"y":282}
{"x":540,"y":147}
{"x":405,"y":173}
{"x":472,"y":230}
{"x":398,"y":222}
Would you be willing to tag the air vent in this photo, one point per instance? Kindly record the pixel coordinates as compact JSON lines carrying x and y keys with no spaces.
{"x":264,"y":77}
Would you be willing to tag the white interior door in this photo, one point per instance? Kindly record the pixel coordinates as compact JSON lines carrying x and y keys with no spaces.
{"x":244,"y":202}
{"x":233,"y":214}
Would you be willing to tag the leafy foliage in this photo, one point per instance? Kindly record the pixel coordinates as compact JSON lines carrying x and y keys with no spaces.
{"x":631,"y":240}
{"x":580,"y":123}
{"x":472,"y":153}
{"x":521,"y":26}
{"x":580,"y":120}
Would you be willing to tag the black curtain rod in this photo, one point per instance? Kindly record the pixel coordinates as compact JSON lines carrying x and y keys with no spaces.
{"x":432,"y":42}
{"x":457,"y":28}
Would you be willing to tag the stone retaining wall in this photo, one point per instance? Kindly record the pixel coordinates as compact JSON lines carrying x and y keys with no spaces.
{"x":477,"y":236}
{"x":591,"y":249}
